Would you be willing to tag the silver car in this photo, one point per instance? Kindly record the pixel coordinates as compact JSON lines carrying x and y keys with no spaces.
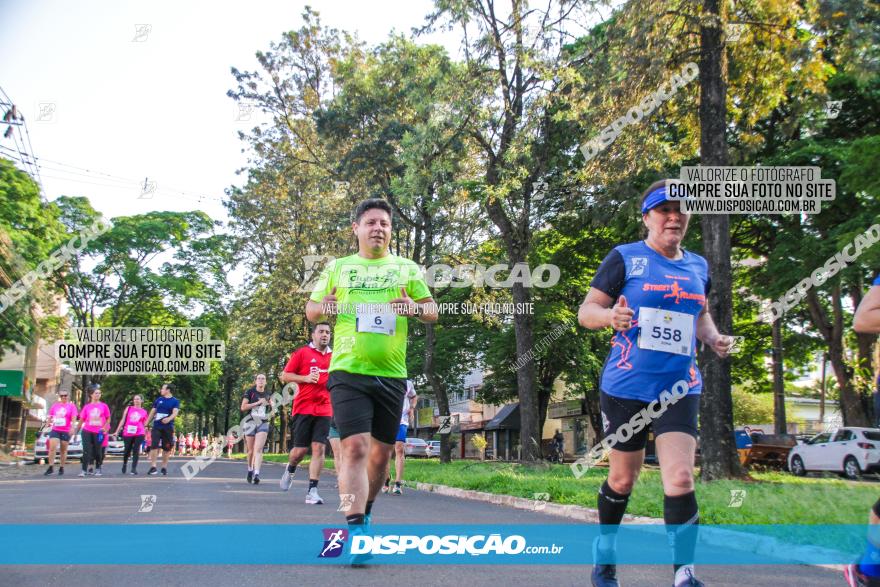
{"x":41,"y":447}
{"x":115,"y":445}
{"x":416,"y":447}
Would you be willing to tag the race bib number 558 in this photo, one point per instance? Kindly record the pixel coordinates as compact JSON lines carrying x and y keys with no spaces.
{"x":664,"y":330}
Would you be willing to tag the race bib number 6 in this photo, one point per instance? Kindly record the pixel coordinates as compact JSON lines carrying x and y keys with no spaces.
{"x":376,"y":322}
{"x":664,"y":330}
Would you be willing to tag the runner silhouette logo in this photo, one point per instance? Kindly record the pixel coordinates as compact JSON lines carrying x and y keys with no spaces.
{"x":334,"y":542}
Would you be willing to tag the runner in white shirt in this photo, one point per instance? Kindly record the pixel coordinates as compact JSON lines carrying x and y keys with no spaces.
{"x":409,"y":404}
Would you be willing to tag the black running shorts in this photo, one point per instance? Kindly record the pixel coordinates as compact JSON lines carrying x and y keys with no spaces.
{"x":308,"y":429}
{"x":366,"y":403}
{"x":617,"y":413}
{"x":163,"y":436}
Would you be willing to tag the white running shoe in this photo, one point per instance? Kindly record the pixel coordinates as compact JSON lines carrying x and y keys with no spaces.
{"x":286,"y":480}
{"x":313,"y":498}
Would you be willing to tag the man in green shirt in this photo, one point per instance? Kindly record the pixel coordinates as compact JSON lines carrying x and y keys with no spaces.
{"x":372,"y":294}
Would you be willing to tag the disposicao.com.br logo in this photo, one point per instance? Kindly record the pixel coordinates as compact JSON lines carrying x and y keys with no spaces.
{"x":493,"y":544}
{"x":334,"y":542}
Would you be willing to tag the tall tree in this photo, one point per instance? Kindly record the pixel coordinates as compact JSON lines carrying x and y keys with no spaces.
{"x":513,"y":55}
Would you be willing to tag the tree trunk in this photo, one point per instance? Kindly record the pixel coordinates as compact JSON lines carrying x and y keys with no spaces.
{"x":852,"y":407}
{"x":719,"y":457}
{"x":778,"y":382}
{"x":438,"y":387}
{"x":530,"y":434}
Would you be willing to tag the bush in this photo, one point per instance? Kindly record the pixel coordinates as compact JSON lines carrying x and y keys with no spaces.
{"x":752,"y":408}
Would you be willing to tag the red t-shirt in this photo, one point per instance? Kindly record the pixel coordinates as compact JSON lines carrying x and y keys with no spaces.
{"x":312,"y":398}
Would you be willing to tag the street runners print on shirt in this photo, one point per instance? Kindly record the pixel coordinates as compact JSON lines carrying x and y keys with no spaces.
{"x":667,"y":297}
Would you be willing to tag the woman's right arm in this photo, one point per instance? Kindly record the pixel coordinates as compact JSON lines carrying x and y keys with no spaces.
{"x":599,"y":311}
{"x":122,"y":421}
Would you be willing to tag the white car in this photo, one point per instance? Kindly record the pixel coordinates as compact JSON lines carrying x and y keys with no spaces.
{"x":41,"y":447}
{"x":115,"y":446}
{"x":434,"y":447}
{"x":849,"y":451}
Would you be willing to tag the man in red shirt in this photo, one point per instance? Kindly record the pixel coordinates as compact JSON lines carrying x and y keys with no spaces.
{"x":311,"y":411}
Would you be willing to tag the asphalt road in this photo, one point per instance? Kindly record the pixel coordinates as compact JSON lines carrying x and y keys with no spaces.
{"x":220,"y":495}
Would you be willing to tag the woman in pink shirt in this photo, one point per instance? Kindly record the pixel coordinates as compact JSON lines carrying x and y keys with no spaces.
{"x":94,"y":422}
{"x":61,"y":417}
{"x":132,"y":426}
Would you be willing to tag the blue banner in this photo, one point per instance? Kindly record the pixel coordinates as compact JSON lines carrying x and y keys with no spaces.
{"x":541,"y":544}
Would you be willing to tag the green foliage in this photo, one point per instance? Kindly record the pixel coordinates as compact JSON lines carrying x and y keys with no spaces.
{"x":29,"y":232}
{"x":752,"y":408}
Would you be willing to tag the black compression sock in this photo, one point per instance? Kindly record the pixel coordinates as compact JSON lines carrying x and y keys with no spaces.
{"x":313,"y":483}
{"x":682,"y":512}
{"x":355,"y":520}
{"x":291,"y":468}
{"x":369,"y":508}
{"x":612,"y":506}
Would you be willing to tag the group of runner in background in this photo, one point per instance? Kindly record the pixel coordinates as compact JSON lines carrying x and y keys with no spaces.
{"x":92,"y":423}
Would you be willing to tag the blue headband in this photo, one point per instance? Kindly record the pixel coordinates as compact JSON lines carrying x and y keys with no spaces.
{"x":654,"y":199}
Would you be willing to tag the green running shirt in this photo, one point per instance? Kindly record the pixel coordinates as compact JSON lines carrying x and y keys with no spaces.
{"x":369,"y":338}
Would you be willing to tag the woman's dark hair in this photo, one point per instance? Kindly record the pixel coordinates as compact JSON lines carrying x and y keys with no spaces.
{"x":370,"y":204}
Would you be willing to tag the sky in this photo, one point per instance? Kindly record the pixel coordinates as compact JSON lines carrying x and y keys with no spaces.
{"x":119,"y":95}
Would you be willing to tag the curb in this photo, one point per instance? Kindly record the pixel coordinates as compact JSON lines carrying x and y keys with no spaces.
{"x":740,"y":541}
{"x":569,"y":511}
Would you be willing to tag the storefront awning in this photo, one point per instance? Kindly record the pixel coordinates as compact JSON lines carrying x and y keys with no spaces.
{"x":506,"y":419}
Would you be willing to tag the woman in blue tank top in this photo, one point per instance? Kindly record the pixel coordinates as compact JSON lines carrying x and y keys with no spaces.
{"x":653,"y":294}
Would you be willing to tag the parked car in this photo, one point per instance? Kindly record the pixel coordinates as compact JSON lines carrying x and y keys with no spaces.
{"x":41,"y":447}
{"x":416,"y":447}
{"x":434,"y":447}
{"x":847,"y":451}
{"x":115,"y":446}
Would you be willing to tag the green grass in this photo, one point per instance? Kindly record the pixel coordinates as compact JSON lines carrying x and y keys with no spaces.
{"x":772,"y":498}
{"x":282,"y":458}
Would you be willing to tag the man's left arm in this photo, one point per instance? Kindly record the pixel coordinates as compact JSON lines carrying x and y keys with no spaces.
{"x":425,"y":307}
{"x":427,"y":311}
{"x":170,"y":418}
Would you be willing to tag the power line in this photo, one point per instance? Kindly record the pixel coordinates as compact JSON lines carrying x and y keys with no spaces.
{"x":103,"y":180}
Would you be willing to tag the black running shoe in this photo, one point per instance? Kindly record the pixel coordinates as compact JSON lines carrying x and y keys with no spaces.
{"x":124,"y":468}
{"x":256,"y":479}
{"x":49,"y":471}
{"x":688,"y":580}
{"x":604,"y":576}
{"x":152,"y":471}
{"x":60,"y":471}
{"x":164,"y":471}
{"x":250,"y":477}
